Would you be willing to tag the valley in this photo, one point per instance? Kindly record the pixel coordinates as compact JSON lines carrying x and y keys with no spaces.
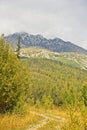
{"x":43,"y":64}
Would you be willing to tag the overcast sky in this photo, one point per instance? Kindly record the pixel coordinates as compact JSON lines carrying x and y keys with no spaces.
{"x":66,"y":19}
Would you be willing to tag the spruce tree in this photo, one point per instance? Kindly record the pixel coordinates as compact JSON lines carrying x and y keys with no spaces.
{"x":14,"y":80}
{"x":18,"y":47}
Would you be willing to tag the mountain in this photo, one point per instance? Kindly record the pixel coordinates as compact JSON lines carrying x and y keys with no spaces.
{"x":56,"y":44}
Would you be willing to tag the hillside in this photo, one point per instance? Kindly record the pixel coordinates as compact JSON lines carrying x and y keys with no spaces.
{"x":39,"y":86}
{"x":56,"y":44}
{"x":71,"y":59}
{"x":49,"y":77}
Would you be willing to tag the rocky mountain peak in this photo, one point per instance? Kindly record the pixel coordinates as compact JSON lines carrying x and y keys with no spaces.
{"x":55,"y":44}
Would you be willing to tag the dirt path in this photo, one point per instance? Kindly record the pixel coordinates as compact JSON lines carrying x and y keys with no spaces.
{"x":47,"y":118}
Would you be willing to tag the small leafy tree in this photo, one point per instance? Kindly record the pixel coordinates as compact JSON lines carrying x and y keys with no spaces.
{"x":37,"y":105}
{"x":70,"y":96}
{"x":47,"y":102}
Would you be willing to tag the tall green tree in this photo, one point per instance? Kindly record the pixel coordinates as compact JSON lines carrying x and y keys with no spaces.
{"x":18,"y":47}
{"x":14,"y":80}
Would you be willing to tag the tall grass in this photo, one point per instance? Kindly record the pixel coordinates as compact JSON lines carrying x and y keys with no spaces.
{"x":75,"y":119}
{"x":18,"y":122}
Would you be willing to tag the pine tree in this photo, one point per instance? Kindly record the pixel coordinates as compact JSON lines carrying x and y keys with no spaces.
{"x":13,"y":80}
{"x":18,"y":48}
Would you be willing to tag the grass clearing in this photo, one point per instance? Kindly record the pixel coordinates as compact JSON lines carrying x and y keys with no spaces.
{"x":42,"y":119}
{"x":17,"y":122}
{"x":51,"y":125}
{"x":29,"y":120}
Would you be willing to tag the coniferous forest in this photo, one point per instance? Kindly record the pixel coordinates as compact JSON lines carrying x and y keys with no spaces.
{"x":40,"y":83}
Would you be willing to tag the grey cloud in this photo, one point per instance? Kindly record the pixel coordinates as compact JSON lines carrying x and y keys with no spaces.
{"x":66,"y":19}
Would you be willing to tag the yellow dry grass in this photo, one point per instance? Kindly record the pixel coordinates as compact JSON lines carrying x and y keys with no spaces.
{"x":17,"y":122}
{"x":57,"y":111}
{"x":75,"y":119}
{"x":51,"y":125}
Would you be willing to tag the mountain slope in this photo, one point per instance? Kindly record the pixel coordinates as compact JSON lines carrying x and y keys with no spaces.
{"x":56,"y":44}
{"x":72,"y":59}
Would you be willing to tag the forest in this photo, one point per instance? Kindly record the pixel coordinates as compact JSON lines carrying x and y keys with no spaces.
{"x":43,"y":84}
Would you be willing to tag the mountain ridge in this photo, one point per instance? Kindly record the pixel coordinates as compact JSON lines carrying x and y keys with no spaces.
{"x":55,"y":44}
